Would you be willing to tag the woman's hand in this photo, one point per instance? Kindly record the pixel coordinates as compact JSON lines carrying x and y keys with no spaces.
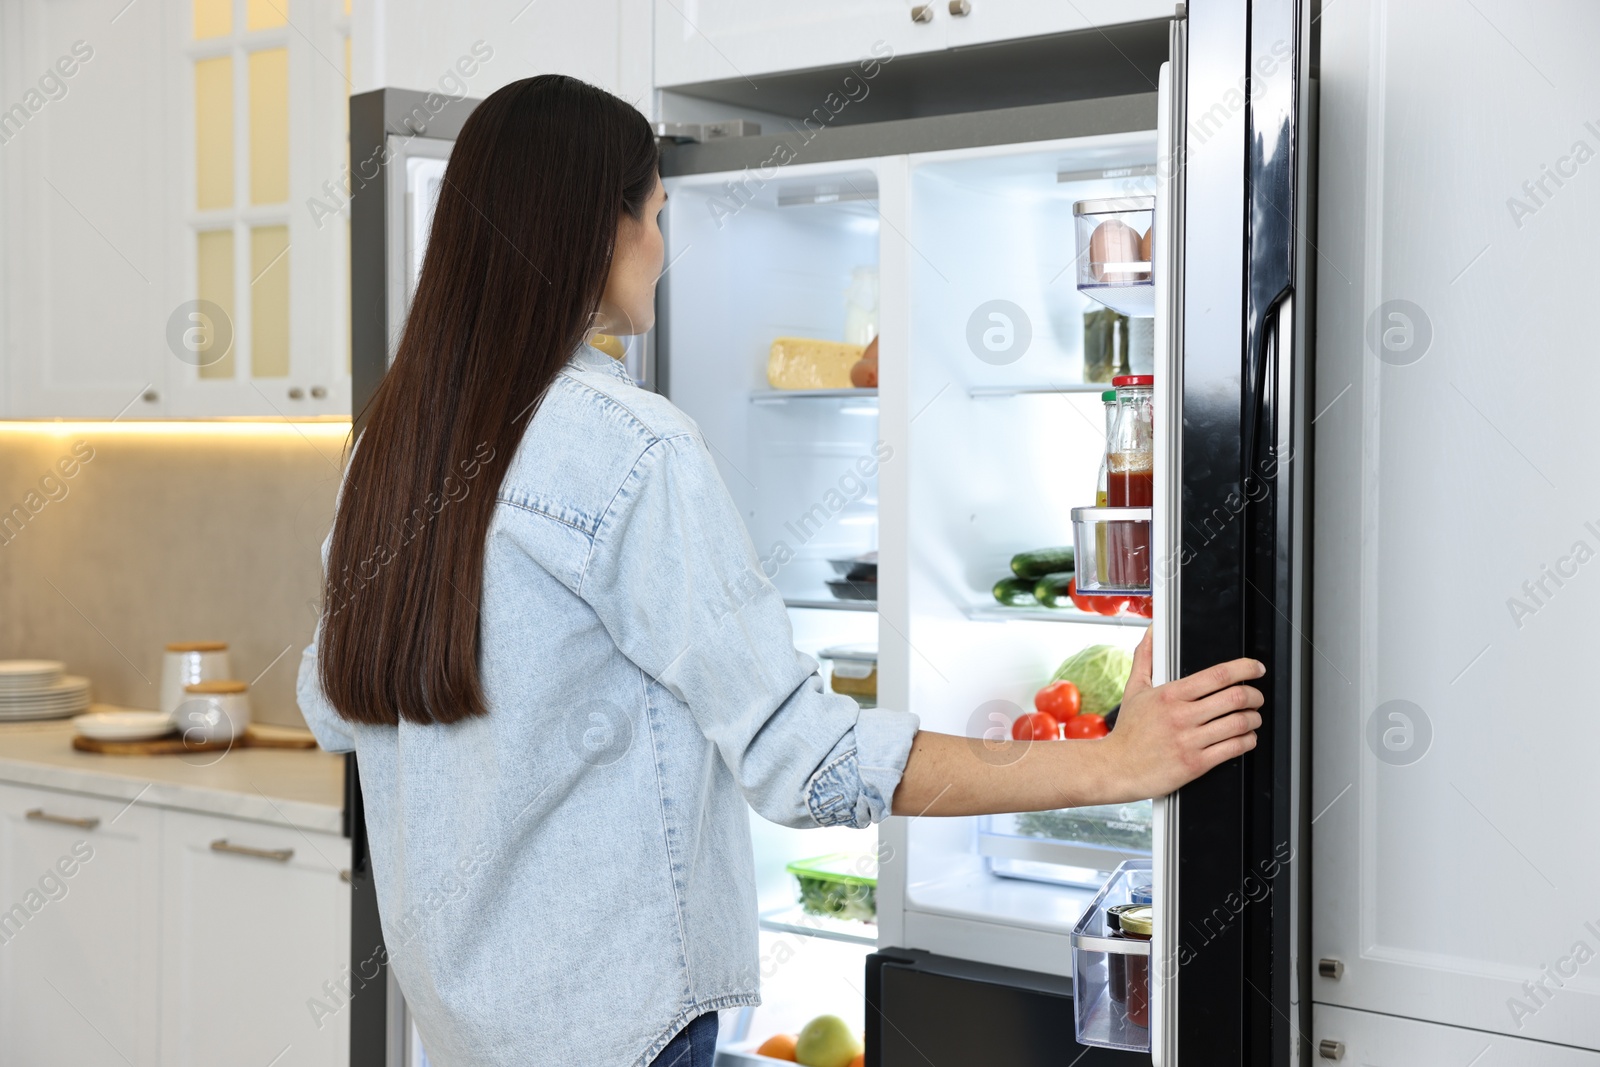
{"x":1167,"y":736}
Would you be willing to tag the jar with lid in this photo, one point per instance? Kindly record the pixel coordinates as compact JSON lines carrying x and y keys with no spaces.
{"x":1137,"y":923}
{"x":1130,"y":478}
{"x":1117,"y":962}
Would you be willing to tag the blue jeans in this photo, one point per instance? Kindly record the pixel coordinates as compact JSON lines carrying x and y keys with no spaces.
{"x":695,"y":1045}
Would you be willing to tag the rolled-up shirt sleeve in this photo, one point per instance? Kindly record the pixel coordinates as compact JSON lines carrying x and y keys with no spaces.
{"x":673,"y":577}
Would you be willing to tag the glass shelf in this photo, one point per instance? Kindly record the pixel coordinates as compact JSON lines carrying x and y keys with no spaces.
{"x":832,"y":605}
{"x":778,"y":396}
{"x":1002,"y":614}
{"x":991,"y":392}
{"x":796,"y":920}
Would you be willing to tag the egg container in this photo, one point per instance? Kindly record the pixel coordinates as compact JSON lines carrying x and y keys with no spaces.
{"x":1113,"y":265}
{"x":1100,"y":1018}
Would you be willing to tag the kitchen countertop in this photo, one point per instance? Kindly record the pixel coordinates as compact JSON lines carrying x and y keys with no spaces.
{"x":303,"y":788}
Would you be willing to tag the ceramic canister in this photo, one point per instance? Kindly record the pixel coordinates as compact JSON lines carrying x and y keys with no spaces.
{"x":217,"y":710}
{"x":189,"y":662}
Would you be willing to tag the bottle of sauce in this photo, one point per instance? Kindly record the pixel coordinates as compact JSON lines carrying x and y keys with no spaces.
{"x":1130,"y":479}
{"x":1137,"y":923}
{"x":1102,"y":488}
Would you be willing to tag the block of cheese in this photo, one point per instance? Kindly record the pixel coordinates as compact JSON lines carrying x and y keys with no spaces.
{"x":806,"y":363}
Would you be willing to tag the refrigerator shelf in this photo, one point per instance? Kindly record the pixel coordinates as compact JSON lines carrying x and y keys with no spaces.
{"x":1000,"y":614}
{"x":793,"y":919}
{"x":832,"y":605}
{"x":1046,"y":850}
{"x":778,"y":396}
{"x":998,"y":392}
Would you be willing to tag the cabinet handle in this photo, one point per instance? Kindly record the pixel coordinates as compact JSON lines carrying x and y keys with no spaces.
{"x":318,"y":392}
{"x":344,"y":876}
{"x":149,"y":396}
{"x":959,"y":8}
{"x":280,"y":855}
{"x":40,"y":815}
{"x":1331,"y":1050}
{"x":922,"y":13}
{"x":1330,"y":968}
{"x":296,"y":393}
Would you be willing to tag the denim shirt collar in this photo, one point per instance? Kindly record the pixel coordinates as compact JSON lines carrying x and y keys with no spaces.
{"x":590,"y":358}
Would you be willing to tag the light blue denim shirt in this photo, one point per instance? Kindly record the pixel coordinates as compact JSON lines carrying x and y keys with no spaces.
{"x":568,"y":879}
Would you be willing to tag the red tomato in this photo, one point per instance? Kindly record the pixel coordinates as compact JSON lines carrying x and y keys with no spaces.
{"x":1035,"y":726}
{"x":1095,"y":605}
{"x":1059,"y":699}
{"x":1085,"y":726}
{"x":1141,"y":606}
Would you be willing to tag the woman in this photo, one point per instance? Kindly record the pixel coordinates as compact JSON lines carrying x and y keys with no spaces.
{"x":540,"y":637}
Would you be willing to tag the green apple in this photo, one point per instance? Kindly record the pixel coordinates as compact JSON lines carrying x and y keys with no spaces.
{"x":827,"y":1041}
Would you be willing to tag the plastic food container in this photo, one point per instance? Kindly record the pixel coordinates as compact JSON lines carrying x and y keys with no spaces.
{"x":854,"y":672}
{"x":843,"y":885}
{"x":1114,"y":252}
{"x":1112,"y":546}
{"x":1103,"y":1017}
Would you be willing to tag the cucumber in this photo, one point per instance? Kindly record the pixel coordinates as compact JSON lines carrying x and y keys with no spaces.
{"x":1042,"y":561}
{"x":1051,"y":590}
{"x":1015,"y":593}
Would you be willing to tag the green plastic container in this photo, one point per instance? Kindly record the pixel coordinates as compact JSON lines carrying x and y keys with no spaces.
{"x":843,"y":885}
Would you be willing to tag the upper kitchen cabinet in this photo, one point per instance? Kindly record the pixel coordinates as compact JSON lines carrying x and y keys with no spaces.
{"x":257,"y":234}
{"x":175,"y":175}
{"x":713,"y":40}
{"x":82,"y":172}
{"x":717,"y":40}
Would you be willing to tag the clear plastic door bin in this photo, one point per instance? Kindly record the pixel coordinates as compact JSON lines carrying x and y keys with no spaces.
{"x":1111,"y":974}
{"x":1112,"y":547}
{"x":1114,"y":238}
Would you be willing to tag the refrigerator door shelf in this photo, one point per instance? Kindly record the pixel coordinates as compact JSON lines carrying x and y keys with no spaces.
{"x":1114,"y":238}
{"x":1112,"y":546}
{"x":1111,"y":975}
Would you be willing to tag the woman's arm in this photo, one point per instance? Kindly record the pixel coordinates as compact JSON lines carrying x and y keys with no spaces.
{"x":1165,"y":736}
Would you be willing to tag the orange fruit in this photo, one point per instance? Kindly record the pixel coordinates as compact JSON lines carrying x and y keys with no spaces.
{"x":859,"y":1061}
{"x":779,"y":1047}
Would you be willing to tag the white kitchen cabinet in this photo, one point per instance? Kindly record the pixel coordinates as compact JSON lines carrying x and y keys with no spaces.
{"x":79,"y":885}
{"x":715,"y":40}
{"x":1005,"y":20}
{"x":101,"y":225}
{"x":256,"y":944}
{"x":1455,"y":878}
{"x":1372,"y":1039}
{"x":86,"y":292}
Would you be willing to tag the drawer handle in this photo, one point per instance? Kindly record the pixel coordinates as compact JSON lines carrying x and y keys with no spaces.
{"x":280,"y":855}
{"x":40,"y":815}
{"x":922,"y":13}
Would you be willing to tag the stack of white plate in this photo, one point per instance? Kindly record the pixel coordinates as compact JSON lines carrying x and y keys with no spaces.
{"x":36,"y":689}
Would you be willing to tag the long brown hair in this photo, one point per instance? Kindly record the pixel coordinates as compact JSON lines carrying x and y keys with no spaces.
{"x":516,"y":263}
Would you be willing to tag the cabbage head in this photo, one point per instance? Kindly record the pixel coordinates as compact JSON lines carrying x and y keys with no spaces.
{"x":1101,"y":674}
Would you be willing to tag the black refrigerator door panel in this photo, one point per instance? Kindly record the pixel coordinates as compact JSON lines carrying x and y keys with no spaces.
{"x":925,"y":1009}
{"x":1235,"y":949}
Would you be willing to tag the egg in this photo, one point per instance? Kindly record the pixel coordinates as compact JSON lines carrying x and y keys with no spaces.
{"x":1113,"y":244}
{"x":1146,"y":248}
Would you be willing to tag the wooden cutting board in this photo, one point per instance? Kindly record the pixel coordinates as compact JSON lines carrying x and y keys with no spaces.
{"x":174,"y":745}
